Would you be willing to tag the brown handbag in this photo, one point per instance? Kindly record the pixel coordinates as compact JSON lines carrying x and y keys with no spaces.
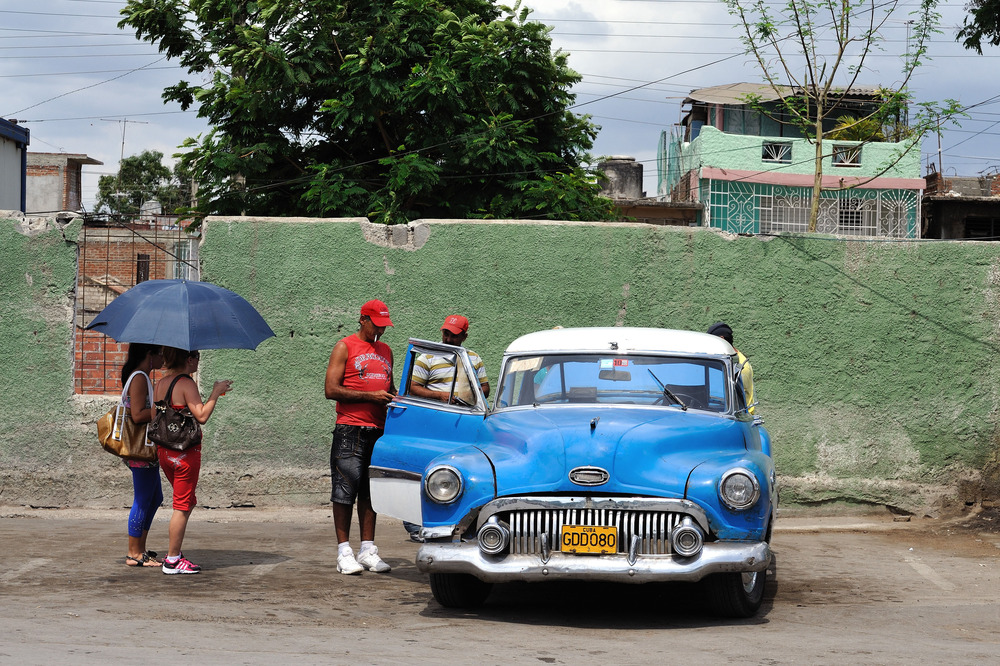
{"x":174,"y":428}
{"x":122,"y":436}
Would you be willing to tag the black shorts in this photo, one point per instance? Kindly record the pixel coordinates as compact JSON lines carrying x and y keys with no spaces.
{"x":350,"y":456}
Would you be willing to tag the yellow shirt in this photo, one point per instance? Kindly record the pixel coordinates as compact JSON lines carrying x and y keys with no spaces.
{"x":746,"y":376}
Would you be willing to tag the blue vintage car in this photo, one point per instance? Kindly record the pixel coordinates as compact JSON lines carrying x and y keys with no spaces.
{"x":613,"y":454}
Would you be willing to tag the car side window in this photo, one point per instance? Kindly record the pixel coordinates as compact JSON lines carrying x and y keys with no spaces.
{"x":438,"y":377}
{"x":739,"y":397}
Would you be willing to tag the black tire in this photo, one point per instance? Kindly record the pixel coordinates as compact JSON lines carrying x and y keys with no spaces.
{"x":459,"y":590}
{"x":736,"y":594}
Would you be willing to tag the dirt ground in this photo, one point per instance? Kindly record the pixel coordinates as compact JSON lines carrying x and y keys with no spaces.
{"x":849,"y":588}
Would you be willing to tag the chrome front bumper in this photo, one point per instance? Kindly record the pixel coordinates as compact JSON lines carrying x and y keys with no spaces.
{"x":724,"y":557}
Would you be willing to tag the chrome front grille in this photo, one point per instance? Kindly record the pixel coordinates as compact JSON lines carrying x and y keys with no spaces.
{"x":652,"y":527}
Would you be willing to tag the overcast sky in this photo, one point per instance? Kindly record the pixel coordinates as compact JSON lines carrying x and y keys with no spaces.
{"x":81,"y":85}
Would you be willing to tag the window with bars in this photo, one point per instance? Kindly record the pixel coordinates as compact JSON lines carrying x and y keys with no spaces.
{"x":776,"y":151}
{"x":141,"y":268}
{"x":183,"y":259}
{"x":850,"y":216}
{"x":846,"y":156}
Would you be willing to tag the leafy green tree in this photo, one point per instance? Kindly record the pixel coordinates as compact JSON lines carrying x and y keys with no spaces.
{"x":140,"y":178}
{"x":391,"y":110}
{"x":849,"y":128}
{"x":983,"y":23}
{"x":791,"y":43}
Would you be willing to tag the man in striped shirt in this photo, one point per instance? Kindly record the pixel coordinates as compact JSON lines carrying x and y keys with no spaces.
{"x":434,"y":374}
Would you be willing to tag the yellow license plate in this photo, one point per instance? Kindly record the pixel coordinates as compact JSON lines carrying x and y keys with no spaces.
{"x":591,"y":539}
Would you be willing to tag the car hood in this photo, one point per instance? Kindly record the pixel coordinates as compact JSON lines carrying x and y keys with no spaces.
{"x":645,"y":451}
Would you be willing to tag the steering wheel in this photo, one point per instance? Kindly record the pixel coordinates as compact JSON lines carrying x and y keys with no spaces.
{"x":458,"y":401}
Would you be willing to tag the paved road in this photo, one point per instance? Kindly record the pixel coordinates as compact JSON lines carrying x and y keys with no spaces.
{"x":843,"y":590}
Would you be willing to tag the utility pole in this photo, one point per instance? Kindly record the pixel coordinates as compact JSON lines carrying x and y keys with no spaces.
{"x":118,"y":179}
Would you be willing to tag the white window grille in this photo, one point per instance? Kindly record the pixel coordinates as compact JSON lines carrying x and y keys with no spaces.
{"x":760,"y":208}
{"x":776,"y":151}
{"x":846,"y":156}
{"x":185,"y":260}
{"x":786,"y":209}
{"x":851,"y":218}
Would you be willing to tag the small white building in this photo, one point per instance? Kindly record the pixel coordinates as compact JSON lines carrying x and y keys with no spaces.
{"x":55,"y":182}
{"x":13,"y":165}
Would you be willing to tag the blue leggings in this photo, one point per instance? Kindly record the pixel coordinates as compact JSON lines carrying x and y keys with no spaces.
{"x":148,"y":498}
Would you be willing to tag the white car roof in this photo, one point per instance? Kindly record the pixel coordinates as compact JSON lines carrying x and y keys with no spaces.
{"x":658,"y":340}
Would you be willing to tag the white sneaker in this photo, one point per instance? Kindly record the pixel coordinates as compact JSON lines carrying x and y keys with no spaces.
{"x":346,"y":564}
{"x":370,"y":560}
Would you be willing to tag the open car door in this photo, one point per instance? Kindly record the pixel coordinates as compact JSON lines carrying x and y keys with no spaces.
{"x":418,"y":429}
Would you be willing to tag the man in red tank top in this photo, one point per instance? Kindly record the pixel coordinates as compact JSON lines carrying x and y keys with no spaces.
{"x":359,"y":378}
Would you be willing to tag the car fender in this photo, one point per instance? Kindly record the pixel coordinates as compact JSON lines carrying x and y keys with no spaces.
{"x":725,"y":523}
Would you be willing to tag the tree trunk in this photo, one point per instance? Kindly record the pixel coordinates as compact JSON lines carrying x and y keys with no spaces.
{"x":818,"y":176}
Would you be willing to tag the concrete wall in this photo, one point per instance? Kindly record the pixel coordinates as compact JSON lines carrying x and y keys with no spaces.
{"x":874,"y":361}
{"x":54,"y":182}
{"x":743,"y":152}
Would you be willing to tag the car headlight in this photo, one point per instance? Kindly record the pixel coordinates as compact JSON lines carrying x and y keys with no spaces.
{"x":739,"y":489}
{"x":443,"y":484}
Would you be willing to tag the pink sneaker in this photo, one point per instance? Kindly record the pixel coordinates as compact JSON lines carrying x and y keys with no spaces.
{"x":181,"y":566}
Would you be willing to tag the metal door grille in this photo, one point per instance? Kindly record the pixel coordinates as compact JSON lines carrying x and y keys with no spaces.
{"x":115,"y":255}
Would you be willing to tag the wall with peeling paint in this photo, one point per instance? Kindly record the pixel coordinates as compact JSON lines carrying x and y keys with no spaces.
{"x":873,"y":360}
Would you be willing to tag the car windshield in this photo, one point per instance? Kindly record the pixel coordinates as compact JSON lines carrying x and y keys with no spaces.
{"x":696,"y":383}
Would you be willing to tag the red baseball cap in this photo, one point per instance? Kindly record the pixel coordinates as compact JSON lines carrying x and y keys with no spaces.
{"x":457,"y":324}
{"x":377,"y":311}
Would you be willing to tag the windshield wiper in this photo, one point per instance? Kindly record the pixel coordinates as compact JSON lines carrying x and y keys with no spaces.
{"x":667,"y":392}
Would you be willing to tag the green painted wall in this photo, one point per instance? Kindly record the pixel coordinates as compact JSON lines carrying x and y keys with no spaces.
{"x":737,"y":151}
{"x":873,"y":360}
{"x":42,"y":437}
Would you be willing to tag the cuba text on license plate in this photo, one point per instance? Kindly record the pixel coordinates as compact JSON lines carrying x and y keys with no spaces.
{"x":593,"y":539}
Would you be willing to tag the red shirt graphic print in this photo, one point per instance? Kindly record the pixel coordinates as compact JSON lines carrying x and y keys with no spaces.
{"x":368,"y":368}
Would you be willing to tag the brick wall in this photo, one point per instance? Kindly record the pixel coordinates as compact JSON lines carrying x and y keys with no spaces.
{"x":40,"y":170}
{"x":71,"y":187}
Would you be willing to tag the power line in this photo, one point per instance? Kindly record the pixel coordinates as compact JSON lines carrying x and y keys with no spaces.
{"x":69,"y":46}
{"x":63,"y":14}
{"x":93,"y":85}
{"x":76,"y":56}
{"x":71,"y":33}
{"x":622,"y":94}
{"x":102,"y":116}
{"x":95,"y":71}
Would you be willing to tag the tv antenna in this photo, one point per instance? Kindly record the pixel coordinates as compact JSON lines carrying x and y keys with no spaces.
{"x":124,"y":123}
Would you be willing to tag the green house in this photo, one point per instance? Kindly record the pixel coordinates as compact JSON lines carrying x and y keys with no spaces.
{"x":754,"y":174}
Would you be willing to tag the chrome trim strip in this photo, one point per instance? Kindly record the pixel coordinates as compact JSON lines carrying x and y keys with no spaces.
{"x":439,"y":532}
{"x":390,"y":473}
{"x":633,"y":550}
{"x":578,"y":475}
{"x":591,"y":503}
{"x":719,"y":557}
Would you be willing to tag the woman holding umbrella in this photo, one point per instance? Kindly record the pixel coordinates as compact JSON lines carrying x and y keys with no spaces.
{"x":147,"y":494}
{"x":183,"y":467}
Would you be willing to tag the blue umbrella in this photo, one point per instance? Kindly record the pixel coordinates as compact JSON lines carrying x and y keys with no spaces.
{"x":183,"y":314}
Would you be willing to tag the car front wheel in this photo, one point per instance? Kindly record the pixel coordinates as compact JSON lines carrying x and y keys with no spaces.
{"x":459,"y":590}
{"x":736,"y":594}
